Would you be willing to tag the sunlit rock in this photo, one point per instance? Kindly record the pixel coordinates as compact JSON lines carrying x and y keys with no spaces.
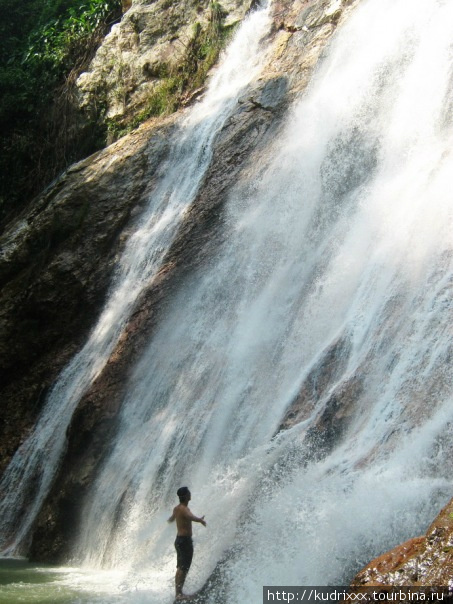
{"x":150,"y":39}
{"x":426,"y":560}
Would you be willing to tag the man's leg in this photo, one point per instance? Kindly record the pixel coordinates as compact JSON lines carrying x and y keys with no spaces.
{"x":184,"y":550}
{"x":180,"y":577}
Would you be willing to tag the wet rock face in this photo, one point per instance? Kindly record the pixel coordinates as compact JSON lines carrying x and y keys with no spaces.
{"x":426,"y":560}
{"x":58,"y":258}
{"x":55,"y":266}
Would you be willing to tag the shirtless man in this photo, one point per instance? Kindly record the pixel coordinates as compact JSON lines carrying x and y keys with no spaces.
{"x":183,"y":543}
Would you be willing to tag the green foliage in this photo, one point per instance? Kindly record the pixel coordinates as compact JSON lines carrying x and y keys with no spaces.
{"x":165,"y":98}
{"x":53,"y":43}
{"x":44,"y":44}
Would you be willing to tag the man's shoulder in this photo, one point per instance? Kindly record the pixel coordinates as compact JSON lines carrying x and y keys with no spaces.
{"x":179,"y":509}
{"x":182,"y":510}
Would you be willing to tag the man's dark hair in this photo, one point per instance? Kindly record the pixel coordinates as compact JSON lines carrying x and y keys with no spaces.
{"x":182,"y":493}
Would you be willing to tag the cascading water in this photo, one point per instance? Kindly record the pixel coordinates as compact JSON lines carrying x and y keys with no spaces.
{"x":32,"y":469}
{"x":344,"y":245}
{"x":333,"y":286}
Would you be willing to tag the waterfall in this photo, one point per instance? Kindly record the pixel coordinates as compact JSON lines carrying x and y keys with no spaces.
{"x":30,"y":473}
{"x":330,"y":297}
{"x":333,"y":286}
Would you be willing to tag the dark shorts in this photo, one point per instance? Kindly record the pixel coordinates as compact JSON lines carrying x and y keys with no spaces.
{"x":184,"y":551}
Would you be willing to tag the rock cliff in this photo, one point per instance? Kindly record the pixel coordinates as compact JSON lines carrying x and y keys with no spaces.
{"x":155,"y":58}
{"x":56,"y":263}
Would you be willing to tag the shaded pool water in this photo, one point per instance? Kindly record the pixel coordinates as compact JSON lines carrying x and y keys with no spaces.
{"x":28,"y":583}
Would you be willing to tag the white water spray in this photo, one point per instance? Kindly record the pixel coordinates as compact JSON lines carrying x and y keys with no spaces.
{"x":27,"y":479}
{"x":345,"y":244}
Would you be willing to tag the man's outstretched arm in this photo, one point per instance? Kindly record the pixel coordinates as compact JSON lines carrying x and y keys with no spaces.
{"x":194,"y":518}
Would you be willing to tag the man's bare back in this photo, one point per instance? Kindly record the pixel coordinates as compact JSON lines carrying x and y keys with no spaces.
{"x":184,"y":519}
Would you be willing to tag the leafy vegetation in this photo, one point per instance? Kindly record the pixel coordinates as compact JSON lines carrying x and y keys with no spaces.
{"x":44,"y":45}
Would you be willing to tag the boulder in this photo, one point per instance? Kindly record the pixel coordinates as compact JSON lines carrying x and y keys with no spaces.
{"x":421,"y":561}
